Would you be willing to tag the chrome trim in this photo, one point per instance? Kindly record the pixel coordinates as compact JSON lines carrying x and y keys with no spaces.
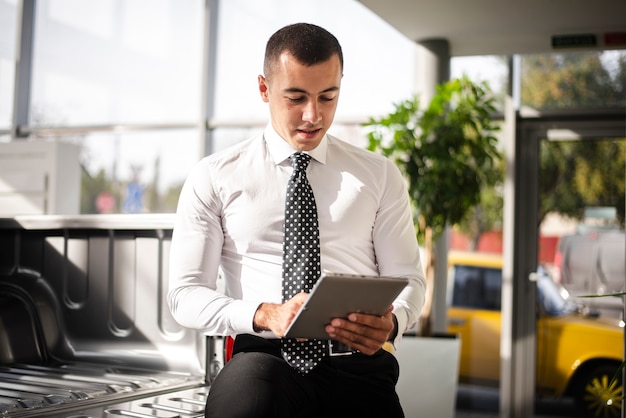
{"x":144,"y":221}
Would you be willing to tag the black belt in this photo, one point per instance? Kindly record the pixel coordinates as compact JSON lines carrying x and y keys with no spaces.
{"x":248,"y":342}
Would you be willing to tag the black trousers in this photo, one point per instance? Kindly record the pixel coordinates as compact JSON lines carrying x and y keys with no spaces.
{"x":257,"y":382}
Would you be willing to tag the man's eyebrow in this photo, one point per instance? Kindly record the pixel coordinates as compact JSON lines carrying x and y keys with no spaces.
{"x":299,"y":90}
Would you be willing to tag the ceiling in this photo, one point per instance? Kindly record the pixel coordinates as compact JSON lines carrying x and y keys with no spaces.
{"x":505,"y":27}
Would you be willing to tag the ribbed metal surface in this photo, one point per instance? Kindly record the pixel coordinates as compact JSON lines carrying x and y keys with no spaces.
{"x":85,"y":330}
{"x":69,"y":390}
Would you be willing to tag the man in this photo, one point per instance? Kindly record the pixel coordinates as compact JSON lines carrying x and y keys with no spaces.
{"x":232,"y":214}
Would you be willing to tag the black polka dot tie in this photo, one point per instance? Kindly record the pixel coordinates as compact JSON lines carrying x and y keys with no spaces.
{"x":301,"y":259}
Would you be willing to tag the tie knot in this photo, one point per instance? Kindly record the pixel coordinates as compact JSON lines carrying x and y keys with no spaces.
{"x":300,"y":161}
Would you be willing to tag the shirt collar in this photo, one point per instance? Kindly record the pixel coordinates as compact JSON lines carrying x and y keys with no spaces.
{"x":280,"y":150}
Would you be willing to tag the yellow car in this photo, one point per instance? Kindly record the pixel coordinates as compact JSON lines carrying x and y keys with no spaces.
{"x":577,"y":355}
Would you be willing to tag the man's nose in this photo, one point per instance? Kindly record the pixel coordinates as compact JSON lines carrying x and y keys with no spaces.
{"x":311,"y":112}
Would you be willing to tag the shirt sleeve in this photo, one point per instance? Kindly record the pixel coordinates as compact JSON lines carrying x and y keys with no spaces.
{"x":196,"y":246}
{"x":397,"y":250}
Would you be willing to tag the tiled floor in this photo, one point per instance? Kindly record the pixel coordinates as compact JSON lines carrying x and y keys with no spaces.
{"x":476,"y":402}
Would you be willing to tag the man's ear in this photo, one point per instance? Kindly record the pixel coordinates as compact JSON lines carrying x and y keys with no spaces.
{"x":263,"y":88}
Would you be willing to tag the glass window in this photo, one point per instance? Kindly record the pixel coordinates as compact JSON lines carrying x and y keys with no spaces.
{"x":574,"y":80}
{"x":8,"y":29}
{"x":490,"y":68}
{"x":477,"y":287}
{"x":378,"y":61}
{"x":135,"y":172}
{"x":112,"y":62}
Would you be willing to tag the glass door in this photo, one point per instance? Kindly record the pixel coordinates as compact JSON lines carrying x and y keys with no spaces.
{"x":582,"y":219}
{"x":581,"y":261}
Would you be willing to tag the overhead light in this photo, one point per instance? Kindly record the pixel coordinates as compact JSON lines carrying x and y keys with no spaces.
{"x":562,"y":135}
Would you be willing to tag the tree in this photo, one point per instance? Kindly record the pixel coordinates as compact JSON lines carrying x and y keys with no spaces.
{"x":577,"y":174}
{"x":448,"y":154}
{"x":447,"y":151}
{"x":574,"y":80}
{"x":487,"y":214}
{"x":582,"y":173}
{"x":94,"y":187}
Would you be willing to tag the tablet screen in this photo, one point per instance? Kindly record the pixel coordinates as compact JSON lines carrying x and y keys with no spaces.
{"x":337,"y":295}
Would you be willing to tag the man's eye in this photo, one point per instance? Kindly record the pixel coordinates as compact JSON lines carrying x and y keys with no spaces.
{"x":327,"y":98}
{"x":295,"y":99}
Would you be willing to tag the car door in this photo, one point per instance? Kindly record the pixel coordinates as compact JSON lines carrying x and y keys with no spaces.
{"x":474,"y":315}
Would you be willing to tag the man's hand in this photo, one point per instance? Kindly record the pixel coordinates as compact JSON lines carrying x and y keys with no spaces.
{"x":366,"y":333}
{"x":276,"y":318}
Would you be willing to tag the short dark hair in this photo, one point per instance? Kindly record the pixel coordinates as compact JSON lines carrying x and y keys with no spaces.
{"x":308,"y":43}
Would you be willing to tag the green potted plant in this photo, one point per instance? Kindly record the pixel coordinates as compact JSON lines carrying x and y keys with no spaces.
{"x":447,"y":150}
{"x":448,"y":153}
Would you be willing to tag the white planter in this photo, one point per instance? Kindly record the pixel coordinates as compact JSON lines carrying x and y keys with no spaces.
{"x":428,"y":375}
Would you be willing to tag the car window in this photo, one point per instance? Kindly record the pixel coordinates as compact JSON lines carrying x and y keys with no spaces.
{"x":551,"y":298}
{"x":477,"y":287}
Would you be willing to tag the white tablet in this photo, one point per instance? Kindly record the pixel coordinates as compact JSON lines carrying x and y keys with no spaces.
{"x":337,"y":295}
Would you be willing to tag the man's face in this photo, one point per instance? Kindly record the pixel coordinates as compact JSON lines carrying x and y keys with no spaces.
{"x":302,"y":99}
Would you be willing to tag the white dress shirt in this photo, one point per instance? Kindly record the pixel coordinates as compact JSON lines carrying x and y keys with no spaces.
{"x":230,"y":215}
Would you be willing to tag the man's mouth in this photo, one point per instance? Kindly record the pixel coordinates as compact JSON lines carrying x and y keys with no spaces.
{"x":309,"y":131}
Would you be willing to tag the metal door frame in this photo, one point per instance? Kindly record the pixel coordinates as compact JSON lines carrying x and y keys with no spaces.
{"x":520,"y":255}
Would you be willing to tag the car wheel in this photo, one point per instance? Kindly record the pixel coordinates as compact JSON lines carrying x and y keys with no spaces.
{"x":596,"y":396}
